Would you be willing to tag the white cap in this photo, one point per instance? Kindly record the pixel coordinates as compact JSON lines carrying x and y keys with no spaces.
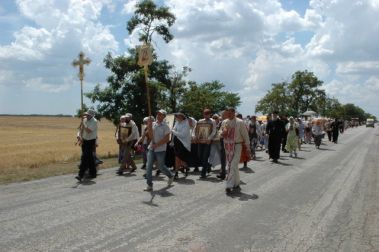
{"x":162,"y":111}
{"x":90,"y":112}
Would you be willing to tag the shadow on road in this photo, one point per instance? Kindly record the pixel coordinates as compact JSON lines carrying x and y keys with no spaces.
{"x":243,"y":196}
{"x":259,"y":159}
{"x":283,"y":164}
{"x":161,"y":192}
{"x":211,"y":179}
{"x":326,"y":149}
{"x":185,"y":181}
{"x":128,"y":174}
{"x":247,"y":170}
{"x":84,"y":183}
{"x":305,"y":150}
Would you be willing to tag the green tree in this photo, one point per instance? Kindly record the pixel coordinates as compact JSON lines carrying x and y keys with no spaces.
{"x":207,"y":95}
{"x":126,"y":90}
{"x":276,"y":99}
{"x":172,"y":94}
{"x":305,"y":93}
{"x":333,"y":108}
{"x":352,"y":111}
{"x":79,"y":112}
{"x":149,"y":18}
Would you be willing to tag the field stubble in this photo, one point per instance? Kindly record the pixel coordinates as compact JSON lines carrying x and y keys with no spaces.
{"x":40,"y":146}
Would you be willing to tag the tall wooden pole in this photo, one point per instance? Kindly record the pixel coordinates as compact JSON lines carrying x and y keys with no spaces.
{"x":81,"y":97}
{"x":146,"y":70}
{"x":145,"y":58}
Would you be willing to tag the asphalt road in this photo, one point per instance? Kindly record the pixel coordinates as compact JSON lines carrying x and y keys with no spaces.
{"x":326,"y":200}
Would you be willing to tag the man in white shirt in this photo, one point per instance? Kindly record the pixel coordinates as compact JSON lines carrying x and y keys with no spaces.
{"x":235,"y":134}
{"x":159,"y":133}
{"x":87,"y":137}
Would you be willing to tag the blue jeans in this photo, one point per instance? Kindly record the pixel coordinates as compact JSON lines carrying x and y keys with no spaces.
{"x":160,"y":157}
{"x":144,"y":153}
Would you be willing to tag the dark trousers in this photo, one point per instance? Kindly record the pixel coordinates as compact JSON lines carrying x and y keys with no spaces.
{"x":329,"y":135}
{"x":317,"y":139}
{"x":223,"y":158}
{"x":203,"y":152}
{"x":284,"y":142}
{"x":335,"y":136}
{"x":253,"y":145}
{"x":274,"y":147}
{"x":87,"y":159}
{"x":126,"y":156}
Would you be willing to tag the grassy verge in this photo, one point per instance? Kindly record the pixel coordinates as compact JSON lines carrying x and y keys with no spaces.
{"x":34,"y":147}
{"x":23,"y":174}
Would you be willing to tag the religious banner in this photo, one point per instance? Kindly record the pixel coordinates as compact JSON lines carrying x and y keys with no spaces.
{"x":170,"y":120}
{"x":145,"y":55}
{"x":124,"y":134}
{"x":203,"y":130}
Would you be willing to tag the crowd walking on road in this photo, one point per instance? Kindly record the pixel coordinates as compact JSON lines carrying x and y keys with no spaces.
{"x":222,"y":138}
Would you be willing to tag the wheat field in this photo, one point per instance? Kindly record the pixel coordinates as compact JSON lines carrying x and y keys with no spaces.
{"x":33,"y":146}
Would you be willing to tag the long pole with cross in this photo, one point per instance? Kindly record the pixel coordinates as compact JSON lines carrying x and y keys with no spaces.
{"x":81,"y":61}
{"x":145,"y":58}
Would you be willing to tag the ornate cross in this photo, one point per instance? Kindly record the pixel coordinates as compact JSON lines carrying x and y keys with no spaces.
{"x":81,"y":62}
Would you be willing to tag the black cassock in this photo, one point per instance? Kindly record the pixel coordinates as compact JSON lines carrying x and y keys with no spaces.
{"x":275,"y":130}
{"x":335,"y":130}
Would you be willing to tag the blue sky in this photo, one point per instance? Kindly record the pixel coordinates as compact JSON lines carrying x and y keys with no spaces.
{"x":246,"y":44}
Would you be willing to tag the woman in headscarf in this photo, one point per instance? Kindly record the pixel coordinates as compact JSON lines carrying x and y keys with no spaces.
{"x":292,"y":137}
{"x":182,"y":143}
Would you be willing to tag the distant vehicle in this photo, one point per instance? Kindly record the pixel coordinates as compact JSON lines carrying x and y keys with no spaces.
{"x":370,"y":123}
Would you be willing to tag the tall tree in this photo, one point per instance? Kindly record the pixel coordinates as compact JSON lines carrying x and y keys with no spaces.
{"x":207,"y":95}
{"x":149,"y":18}
{"x":305,"y":92}
{"x":276,"y":99}
{"x":171,"y":96}
{"x":333,"y":108}
{"x":352,"y":111}
{"x":126,"y":90}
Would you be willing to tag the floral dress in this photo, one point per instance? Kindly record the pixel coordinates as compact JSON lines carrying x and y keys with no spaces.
{"x":292,"y":142}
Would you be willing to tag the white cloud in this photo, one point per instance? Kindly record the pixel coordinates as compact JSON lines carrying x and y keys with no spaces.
{"x":63,"y":29}
{"x":320,"y":45}
{"x":247,"y":45}
{"x":30,"y":44}
{"x":129,"y":7}
{"x":4,"y":76}
{"x":40,"y":84}
{"x":356,"y":91}
{"x":360,"y":68}
{"x":213,"y":33}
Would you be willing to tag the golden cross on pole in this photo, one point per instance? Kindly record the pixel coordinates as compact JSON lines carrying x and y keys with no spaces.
{"x":81,"y":62}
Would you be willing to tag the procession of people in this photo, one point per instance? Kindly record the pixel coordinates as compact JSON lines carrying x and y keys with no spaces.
{"x":222,"y":138}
